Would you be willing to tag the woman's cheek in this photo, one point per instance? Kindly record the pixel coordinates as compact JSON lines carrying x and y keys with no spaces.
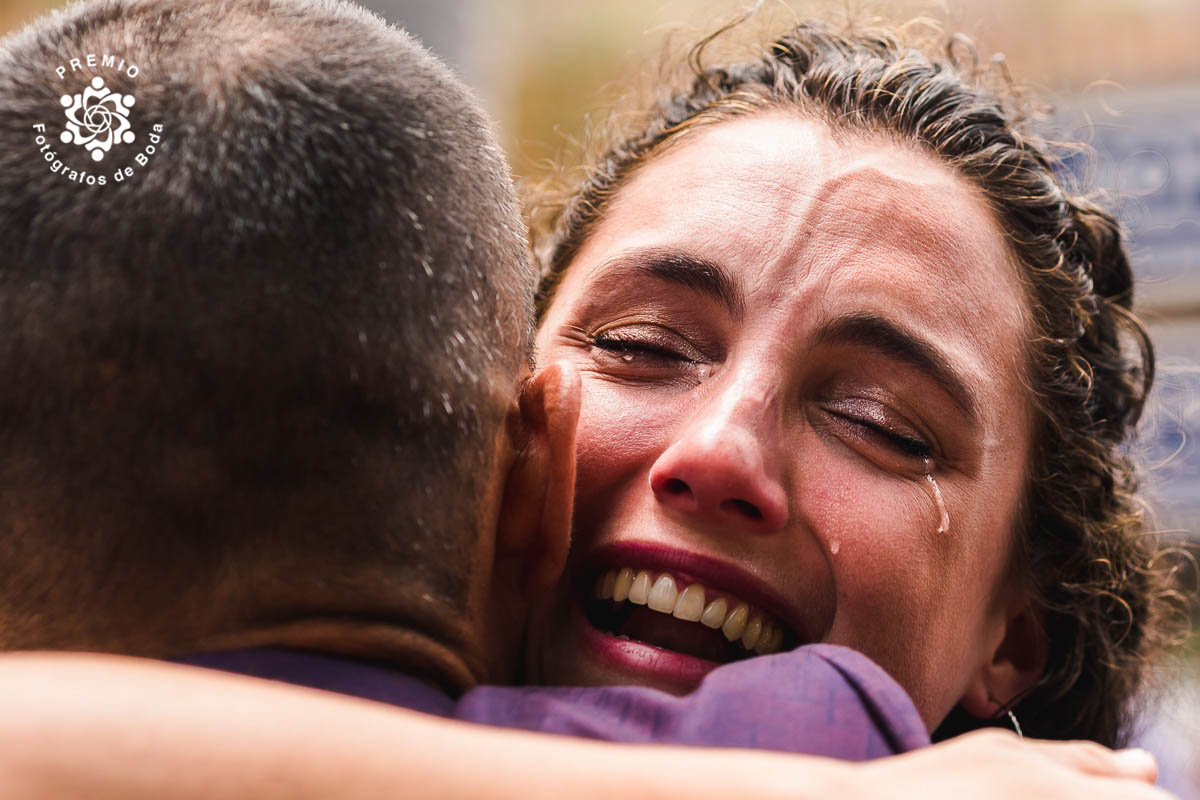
{"x":620,"y":432}
{"x":896,"y":580}
{"x":878,"y":533}
{"x":849,"y":502}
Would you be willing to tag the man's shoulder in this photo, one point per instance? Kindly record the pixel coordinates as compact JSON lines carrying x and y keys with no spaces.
{"x":331,"y":673}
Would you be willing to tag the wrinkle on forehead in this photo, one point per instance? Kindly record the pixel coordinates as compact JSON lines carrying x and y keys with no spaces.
{"x":825,"y":196}
{"x":805,"y":175}
{"x":926,"y":239}
{"x":865,"y":196}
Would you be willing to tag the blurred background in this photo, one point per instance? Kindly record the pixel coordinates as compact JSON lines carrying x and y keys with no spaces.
{"x":1121,"y":75}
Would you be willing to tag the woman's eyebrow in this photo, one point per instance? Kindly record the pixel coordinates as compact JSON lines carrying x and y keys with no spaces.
{"x":683,"y":269}
{"x":889,"y":339}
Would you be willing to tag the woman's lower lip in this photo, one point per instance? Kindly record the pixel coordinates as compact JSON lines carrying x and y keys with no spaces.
{"x":645,"y":663}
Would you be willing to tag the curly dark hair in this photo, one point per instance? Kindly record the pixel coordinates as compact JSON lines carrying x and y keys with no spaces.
{"x":1083,"y":541}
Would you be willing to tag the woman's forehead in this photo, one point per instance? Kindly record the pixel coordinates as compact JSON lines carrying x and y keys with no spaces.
{"x":791,"y":174}
{"x":782,"y":203}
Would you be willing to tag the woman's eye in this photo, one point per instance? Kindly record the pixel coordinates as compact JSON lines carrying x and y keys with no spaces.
{"x":916,"y":448}
{"x":869,"y":425}
{"x":628,"y":350}
{"x":647,"y":351}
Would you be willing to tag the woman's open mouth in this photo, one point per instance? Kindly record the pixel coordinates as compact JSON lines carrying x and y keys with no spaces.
{"x":663,"y":622}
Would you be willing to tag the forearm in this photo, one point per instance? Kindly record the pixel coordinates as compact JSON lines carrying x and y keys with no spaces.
{"x":108,"y":727}
{"x":101,"y":727}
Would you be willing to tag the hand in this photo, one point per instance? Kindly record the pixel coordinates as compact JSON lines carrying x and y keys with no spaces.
{"x":995,"y":763}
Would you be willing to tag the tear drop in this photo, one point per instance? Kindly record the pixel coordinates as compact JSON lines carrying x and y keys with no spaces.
{"x":834,"y":546}
{"x":938,"y":500}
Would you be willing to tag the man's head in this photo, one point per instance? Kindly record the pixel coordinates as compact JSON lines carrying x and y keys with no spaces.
{"x":259,"y":358}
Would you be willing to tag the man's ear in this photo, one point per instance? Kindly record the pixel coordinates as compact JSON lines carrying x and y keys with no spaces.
{"x":535,"y":519}
{"x":1017,"y":661}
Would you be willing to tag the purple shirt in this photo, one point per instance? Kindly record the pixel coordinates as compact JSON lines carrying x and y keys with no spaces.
{"x":819,"y":700}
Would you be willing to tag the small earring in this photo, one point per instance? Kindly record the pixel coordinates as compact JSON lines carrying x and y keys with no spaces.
{"x":1016,"y":725}
{"x":1011,"y":718}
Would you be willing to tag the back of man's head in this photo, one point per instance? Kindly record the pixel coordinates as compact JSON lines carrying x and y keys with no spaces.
{"x":264,"y":299}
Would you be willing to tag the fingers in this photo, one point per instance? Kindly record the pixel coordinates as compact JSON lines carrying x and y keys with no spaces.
{"x":1110,"y":789}
{"x":1094,"y":759}
{"x":1088,"y":758}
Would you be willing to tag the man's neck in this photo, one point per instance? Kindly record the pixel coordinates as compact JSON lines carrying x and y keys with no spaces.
{"x":412,"y":652}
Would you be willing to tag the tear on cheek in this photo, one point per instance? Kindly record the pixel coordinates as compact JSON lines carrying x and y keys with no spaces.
{"x":939,"y":502}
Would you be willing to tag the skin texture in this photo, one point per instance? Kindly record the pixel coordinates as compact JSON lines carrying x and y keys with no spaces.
{"x":748,"y":433}
{"x":523,"y":533}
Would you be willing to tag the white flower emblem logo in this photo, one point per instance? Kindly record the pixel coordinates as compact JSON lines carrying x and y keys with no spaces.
{"x":97,"y":119}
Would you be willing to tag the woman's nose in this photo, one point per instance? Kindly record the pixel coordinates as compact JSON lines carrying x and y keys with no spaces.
{"x":718,"y":470}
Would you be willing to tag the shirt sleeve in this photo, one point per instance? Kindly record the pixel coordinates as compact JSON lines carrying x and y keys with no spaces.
{"x":819,"y":699}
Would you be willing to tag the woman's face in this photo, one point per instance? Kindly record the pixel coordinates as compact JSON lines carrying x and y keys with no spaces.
{"x":779,"y":333}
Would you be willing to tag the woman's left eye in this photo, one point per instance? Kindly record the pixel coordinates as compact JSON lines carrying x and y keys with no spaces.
{"x":868,"y":422}
{"x":917,"y":448}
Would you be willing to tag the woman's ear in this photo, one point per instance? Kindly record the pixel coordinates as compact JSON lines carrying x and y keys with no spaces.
{"x":1016,"y":664}
{"x":535,"y":518}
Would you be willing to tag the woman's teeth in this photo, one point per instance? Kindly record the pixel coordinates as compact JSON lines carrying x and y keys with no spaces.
{"x":740,"y":623}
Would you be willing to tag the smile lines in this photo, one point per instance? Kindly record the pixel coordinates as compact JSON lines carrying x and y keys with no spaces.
{"x":660,"y":593}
